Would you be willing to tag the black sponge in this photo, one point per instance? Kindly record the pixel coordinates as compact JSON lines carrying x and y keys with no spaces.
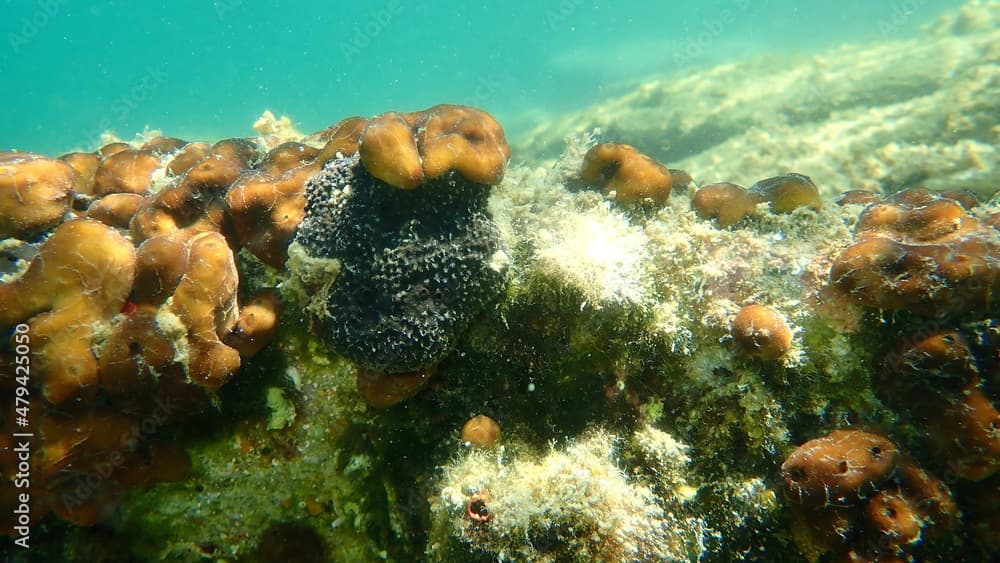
{"x":417,"y":265}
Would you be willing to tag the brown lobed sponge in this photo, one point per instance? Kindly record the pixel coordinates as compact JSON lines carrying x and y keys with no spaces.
{"x":184,"y":305}
{"x":480,"y":432}
{"x":859,"y":497}
{"x":257,"y":323}
{"x":35,"y":193}
{"x":195,"y":203}
{"x":631,"y":176}
{"x":727,"y":203}
{"x":115,"y":210}
{"x":407,"y":149}
{"x":187,"y":157}
{"x":74,"y":287}
{"x":85,"y":165}
{"x":385,"y":390}
{"x":786,"y":193}
{"x":404,"y":150}
{"x":129,"y":171}
{"x":123,"y":340}
{"x":942,"y":380}
{"x":922,"y":252}
{"x":267,"y":205}
{"x":840,"y":468}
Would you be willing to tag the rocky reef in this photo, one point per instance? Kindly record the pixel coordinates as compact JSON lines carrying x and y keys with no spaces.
{"x":396,"y":339}
{"x":924,"y":113}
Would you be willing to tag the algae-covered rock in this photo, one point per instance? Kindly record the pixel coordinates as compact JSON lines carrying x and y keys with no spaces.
{"x":572,"y":503}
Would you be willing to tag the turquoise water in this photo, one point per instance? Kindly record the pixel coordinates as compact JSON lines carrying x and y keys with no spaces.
{"x":206,"y":70}
{"x":609,"y":335}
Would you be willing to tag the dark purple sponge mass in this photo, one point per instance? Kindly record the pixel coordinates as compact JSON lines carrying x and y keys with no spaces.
{"x":417,"y":265}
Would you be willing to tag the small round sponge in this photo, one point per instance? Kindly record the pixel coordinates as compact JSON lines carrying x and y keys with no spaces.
{"x":761,"y":331}
{"x":630,"y":175}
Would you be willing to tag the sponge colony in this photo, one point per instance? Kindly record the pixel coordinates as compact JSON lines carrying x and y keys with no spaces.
{"x":859,"y":496}
{"x":480,"y":432}
{"x":920,"y":252}
{"x":267,"y":205}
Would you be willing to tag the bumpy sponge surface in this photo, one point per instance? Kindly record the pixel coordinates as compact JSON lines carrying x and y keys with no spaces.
{"x":418,"y":266}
